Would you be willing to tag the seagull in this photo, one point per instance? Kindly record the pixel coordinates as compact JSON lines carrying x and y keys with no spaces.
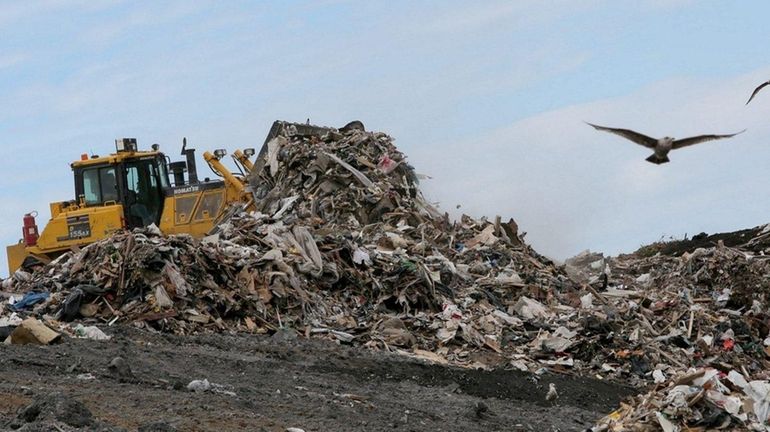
{"x":552,"y":393}
{"x":756,"y":90}
{"x":663,"y":145}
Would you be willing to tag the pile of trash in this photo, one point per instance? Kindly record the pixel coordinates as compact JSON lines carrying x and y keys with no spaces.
{"x":705,"y":329}
{"x":696,"y":325}
{"x":705,"y":308}
{"x":342,"y":245}
{"x":705,"y":399}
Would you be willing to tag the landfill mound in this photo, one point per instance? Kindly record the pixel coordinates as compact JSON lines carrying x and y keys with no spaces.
{"x":703,"y":399}
{"x":697,"y":325}
{"x":343,"y":246}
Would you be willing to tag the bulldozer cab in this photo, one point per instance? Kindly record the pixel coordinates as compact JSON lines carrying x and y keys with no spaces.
{"x":136,"y":181}
{"x":144,"y":182}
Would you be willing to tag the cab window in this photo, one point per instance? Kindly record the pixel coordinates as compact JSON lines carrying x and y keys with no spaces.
{"x":163,"y":175}
{"x":143,"y":192}
{"x":99,"y":185}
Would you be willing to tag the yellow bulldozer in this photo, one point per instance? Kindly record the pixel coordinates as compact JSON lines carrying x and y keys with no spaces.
{"x":132,"y":189}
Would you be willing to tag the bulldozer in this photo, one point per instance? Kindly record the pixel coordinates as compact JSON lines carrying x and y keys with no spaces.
{"x":134,"y":188}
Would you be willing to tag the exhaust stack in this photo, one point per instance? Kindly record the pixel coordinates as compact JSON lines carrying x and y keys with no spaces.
{"x":192,"y":169}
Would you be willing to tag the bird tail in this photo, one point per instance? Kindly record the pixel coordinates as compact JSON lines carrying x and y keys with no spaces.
{"x":657,"y":159}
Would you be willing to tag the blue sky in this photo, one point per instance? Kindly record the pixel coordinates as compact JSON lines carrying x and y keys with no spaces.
{"x":488,"y":98}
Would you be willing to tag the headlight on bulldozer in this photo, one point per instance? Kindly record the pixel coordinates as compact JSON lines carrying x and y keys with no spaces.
{"x":220,"y":153}
{"x":249,"y":152}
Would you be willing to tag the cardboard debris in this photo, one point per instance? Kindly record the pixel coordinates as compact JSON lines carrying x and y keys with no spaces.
{"x":32,"y":331}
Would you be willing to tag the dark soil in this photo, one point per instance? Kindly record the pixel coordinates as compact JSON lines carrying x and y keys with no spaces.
{"x":703,"y":240}
{"x":278,"y":382}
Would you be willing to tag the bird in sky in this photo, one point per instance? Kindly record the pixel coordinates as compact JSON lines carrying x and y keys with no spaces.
{"x":756,"y":90}
{"x":663,"y":145}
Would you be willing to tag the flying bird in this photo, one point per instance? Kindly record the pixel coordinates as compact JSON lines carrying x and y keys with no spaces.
{"x":663,"y":145}
{"x":756,"y":90}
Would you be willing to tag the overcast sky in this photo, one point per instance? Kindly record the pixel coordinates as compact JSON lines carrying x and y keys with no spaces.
{"x":488,"y":98}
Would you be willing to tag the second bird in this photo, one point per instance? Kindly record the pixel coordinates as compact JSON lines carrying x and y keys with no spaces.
{"x":663,"y":145}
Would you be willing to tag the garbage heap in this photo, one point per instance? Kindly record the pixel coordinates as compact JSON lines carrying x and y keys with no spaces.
{"x":704,"y":399}
{"x":342,"y":245}
{"x":697,"y":326}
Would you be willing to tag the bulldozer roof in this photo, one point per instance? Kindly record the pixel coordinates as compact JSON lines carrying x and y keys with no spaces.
{"x":114,"y":158}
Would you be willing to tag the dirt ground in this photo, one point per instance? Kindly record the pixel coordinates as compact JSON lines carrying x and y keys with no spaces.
{"x":271,"y":383}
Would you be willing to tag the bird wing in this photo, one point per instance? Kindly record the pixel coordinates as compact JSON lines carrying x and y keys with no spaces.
{"x":684,"y":142}
{"x":629,"y":134}
{"x":756,"y":90}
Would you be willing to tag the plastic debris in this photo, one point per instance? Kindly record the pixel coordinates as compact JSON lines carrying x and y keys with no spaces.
{"x":90,"y":332}
{"x":11,"y":320}
{"x":201,"y":386}
{"x":30,"y":299}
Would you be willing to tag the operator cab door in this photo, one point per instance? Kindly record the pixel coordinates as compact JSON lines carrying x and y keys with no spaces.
{"x":144,"y":182}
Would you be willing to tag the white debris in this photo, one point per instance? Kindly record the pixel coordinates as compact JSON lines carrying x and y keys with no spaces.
{"x":644,"y":278}
{"x":587,"y":301}
{"x":12,"y":320}
{"x":360,"y":256}
{"x":528,"y":308}
{"x":658,"y":376}
{"x":91,"y":332}
{"x":199,"y":386}
{"x":665,"y":423}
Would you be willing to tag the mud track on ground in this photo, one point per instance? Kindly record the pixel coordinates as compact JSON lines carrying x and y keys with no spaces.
{"x":280,"y":382}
